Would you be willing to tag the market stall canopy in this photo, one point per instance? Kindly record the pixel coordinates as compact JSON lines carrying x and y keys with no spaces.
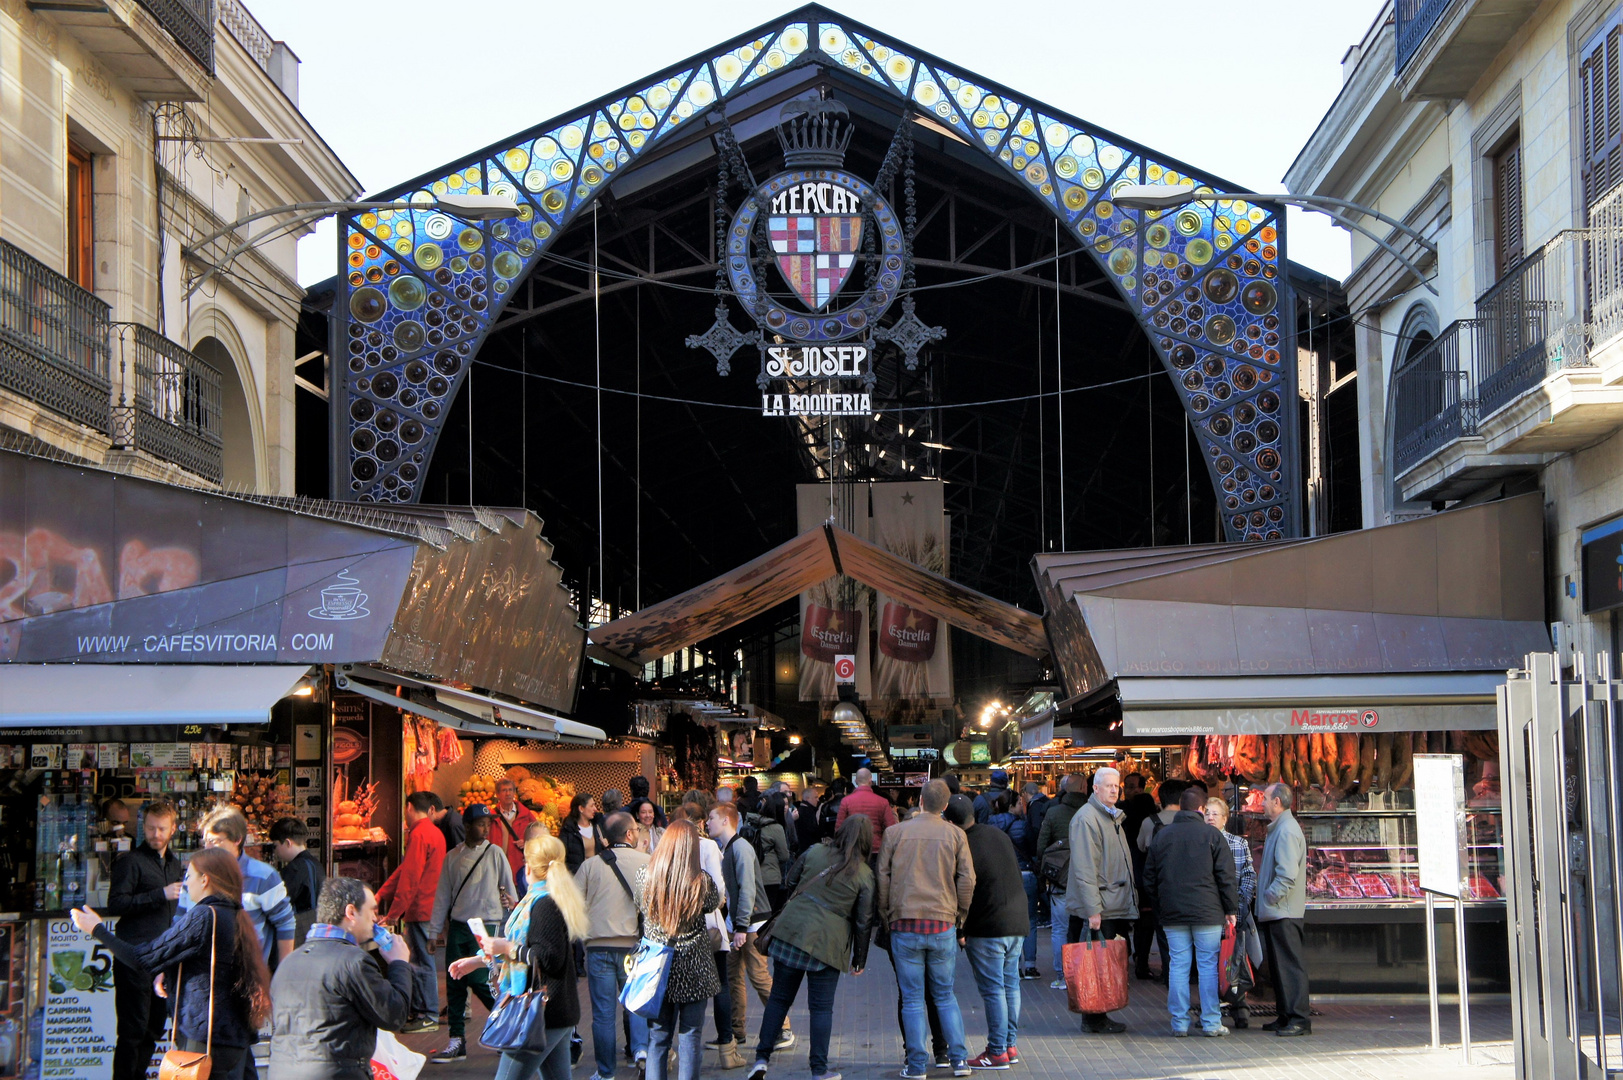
{"x":135,"y":695}
{"x":790,"y":569}
{"x":102,"y":568}
{"x":1378,"y":628}
{"x":465,"y":710}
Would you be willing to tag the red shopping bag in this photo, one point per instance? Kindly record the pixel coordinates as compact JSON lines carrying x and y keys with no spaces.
{"x":1234,"y":967}
{"x":1096,"y":975}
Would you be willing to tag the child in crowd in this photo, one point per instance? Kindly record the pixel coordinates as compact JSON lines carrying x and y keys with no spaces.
{"x":301,"y":873}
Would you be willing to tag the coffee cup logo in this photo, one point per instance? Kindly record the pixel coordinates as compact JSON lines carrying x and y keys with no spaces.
{"x":342,"y":600}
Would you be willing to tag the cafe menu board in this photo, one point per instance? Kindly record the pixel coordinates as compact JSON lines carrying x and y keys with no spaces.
{"x":1439,"y":803}
{"x":81,"y":1018}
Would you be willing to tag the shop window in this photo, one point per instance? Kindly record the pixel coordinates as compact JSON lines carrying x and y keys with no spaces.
{"x":81,"y":216}
{"x":1600,"y":108}
{"x":1509,"y":232}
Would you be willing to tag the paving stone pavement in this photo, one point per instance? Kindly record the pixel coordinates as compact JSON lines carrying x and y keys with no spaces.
{"x":1352,"y":1040}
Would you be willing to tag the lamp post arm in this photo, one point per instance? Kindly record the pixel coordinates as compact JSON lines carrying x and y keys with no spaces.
{"x":1307,"y":202}
{"x":1381,"y":242}
{"x":320,"y":209}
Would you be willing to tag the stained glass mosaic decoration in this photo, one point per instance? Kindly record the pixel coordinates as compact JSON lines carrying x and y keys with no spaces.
{"x":419,"y":289}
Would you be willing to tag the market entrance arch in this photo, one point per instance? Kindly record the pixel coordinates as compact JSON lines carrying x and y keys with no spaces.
{"x":419,"y":291}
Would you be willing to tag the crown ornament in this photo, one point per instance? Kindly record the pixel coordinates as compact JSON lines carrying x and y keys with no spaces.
{"x":814,"y":134}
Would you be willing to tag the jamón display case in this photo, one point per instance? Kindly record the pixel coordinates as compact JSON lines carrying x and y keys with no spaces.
{"x":1359,"y":857}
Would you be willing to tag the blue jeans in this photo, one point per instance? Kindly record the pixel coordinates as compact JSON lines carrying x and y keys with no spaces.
{"x":913,"y":955}
{"x":1059,"y":918}
{"x":996,"y":964}
{"x":1028,"y":953}
{"x":425,"y":982}
{"x":678,"y":1025}
{"x":605,"y":975}
{"x":820,"y":986}
{"x":549,"y":1063}
{"x":1203,"y":944}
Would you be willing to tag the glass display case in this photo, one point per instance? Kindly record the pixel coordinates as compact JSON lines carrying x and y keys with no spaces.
{"x":1360,"y":856}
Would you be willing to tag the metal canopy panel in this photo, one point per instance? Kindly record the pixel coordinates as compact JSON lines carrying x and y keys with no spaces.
{"x":137,"y":695}
{"x":958,"y":605}
{"x":790,"y":569}
{"x":784,"y":572}
{"x":1454,"y":592}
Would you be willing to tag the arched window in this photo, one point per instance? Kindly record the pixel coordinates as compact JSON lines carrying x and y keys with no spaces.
{"x":1408,"y":398}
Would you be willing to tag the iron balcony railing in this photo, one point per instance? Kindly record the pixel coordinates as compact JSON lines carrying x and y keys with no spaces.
{"x":176,"y":412}
{"x":53,"y":341}
{"x":192,"y":24}
{"x":1433,"y":396}
{"x":1605,"y":265}
{"x":1415,"y":19}
{"x":1534,"y":320}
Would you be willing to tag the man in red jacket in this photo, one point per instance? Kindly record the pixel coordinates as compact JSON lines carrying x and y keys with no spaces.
{"x":408,"y":895}
{"x":865,"y":800}
{"x":509,"y":819}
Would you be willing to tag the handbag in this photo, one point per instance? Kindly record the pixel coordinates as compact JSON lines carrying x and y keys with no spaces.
{"x":189,"y":1064}
{"x":1096,"y":974}
{"x":1234,"y":967}
{"x":518,"y":1022}
{"x":644,"y":991}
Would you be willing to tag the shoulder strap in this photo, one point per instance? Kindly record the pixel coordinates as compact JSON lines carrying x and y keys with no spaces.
{"x":607,"y":855}
{"x":214,"y":941}
{"x":456,"y":895}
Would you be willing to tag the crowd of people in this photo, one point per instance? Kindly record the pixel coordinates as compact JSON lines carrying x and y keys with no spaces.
{"x":748,"y":889}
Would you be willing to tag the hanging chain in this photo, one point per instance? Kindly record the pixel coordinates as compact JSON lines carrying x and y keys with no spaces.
{"x":723,"y":163}
{"x":911,"y":218}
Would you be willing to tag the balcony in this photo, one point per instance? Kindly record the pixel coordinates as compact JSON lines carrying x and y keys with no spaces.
{"x":177,"y":408}
{"x":1444,"y":46}
{"x":1537,"y":371}
{"x":53,"y":341}
{"x":162,"y":49}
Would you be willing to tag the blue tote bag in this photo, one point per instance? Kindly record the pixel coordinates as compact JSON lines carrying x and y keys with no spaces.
{"x":644,"y":991}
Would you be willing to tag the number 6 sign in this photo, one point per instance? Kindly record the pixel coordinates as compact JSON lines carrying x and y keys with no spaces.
{"x":845,"y":669}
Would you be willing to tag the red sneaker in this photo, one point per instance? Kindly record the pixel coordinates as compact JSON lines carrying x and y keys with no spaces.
{"x":1013,"y":1054}
{"x":989,"y":1060}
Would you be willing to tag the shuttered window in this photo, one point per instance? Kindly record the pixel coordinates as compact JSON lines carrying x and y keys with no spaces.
{"x":81,"y":216}
{"x":1600,"y":107}
{"x":1507,"y":202}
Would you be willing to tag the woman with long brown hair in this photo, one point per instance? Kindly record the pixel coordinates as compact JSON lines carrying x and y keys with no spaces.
{"x":212,"y":955}
{"x":676,"y":896}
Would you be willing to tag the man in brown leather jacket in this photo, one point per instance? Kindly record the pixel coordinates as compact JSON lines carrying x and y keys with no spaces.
{"x":926,"y":885}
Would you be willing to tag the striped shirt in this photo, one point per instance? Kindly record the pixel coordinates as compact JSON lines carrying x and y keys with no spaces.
{"x":264,"y":898}
{"x":921,"y":926}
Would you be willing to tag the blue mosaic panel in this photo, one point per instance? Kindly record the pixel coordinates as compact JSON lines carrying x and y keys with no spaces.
{"x":420,"y":289}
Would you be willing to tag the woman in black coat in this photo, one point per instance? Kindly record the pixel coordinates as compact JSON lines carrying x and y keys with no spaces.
{"x":537,"y":948}
{"x":215,"y":948}
{"x":581,"y":820}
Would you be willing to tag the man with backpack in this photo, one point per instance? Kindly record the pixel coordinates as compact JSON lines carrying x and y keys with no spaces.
{"x":747,"y":909}
{"x":1054,"y":864}
{"x":613,"y":929}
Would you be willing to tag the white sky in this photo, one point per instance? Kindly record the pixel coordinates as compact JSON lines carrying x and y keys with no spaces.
{"x":1235,"y":87}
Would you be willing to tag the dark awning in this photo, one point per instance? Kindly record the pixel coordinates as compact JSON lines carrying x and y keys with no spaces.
{"x":1407,"y":626}
{"x":101,"y":568}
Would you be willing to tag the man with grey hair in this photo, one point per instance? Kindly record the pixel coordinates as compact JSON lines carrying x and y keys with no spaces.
{"x":865,"y":800}
{"x":1100,"y":892}
{"x":613,"y":801}
{"x":1281,"y":905}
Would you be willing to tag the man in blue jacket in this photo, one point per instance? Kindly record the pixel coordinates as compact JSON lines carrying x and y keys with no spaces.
{"x":1189,"y":875}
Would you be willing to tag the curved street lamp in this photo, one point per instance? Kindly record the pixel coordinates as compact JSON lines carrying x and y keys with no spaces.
{"x":467,"y":207}
{"x":1168,"y":196}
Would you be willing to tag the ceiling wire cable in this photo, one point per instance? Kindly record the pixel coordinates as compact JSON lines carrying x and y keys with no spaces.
{"x":597,"y":331}
{"x":1059,"y":383}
